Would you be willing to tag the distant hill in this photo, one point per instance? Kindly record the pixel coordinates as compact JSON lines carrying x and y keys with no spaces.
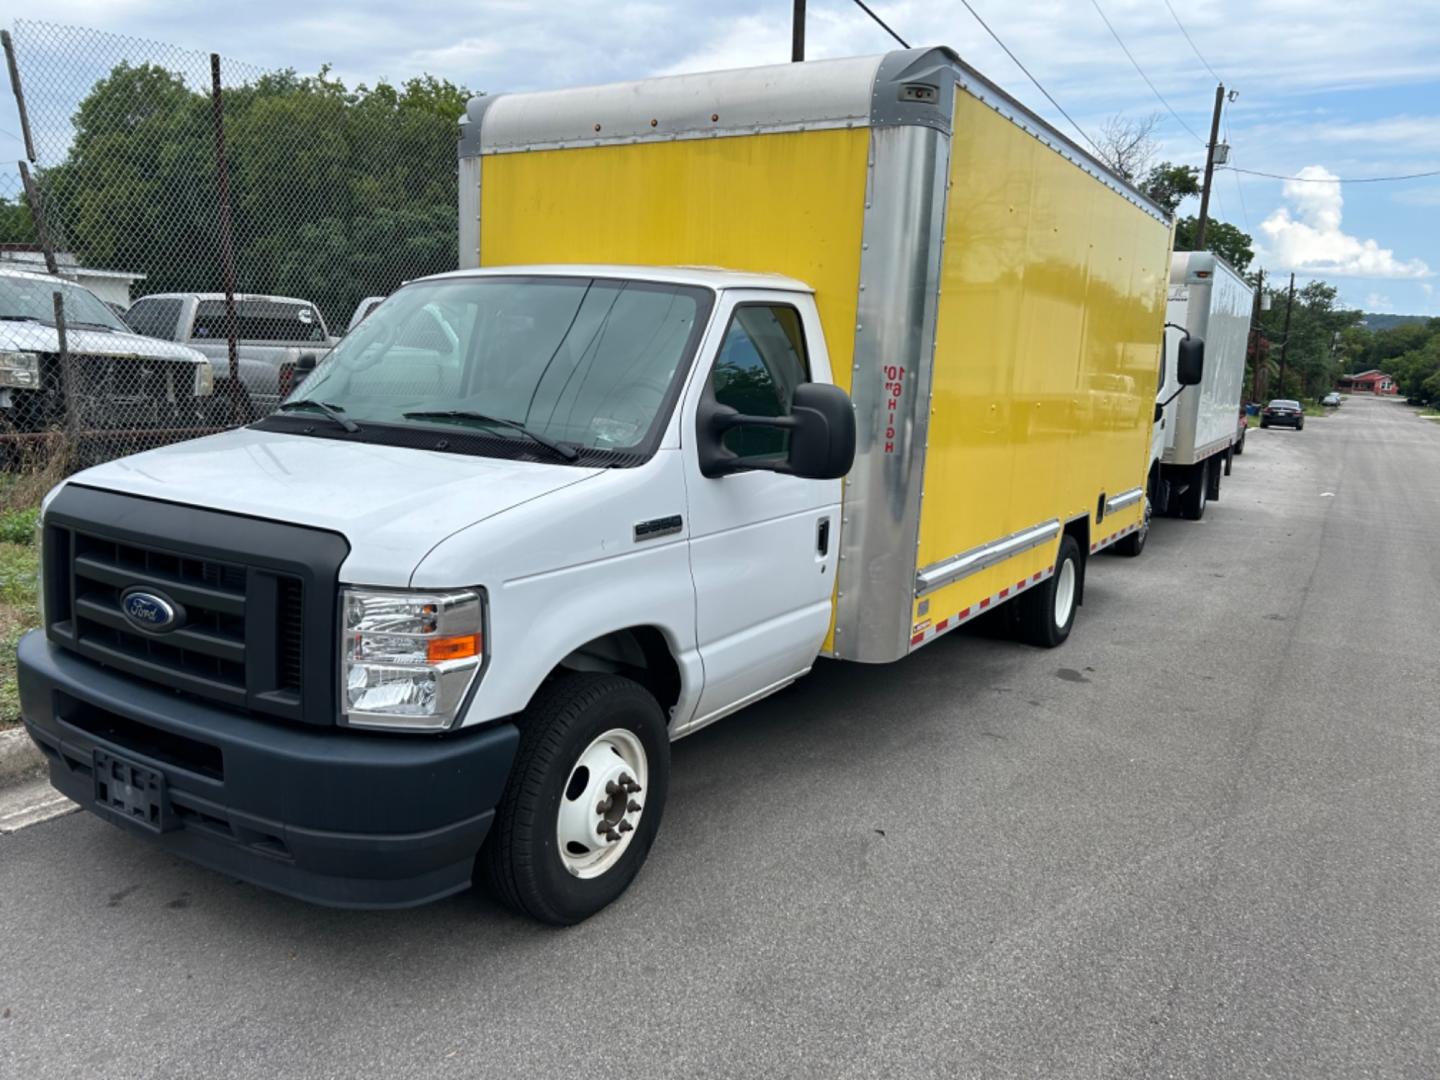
{"x":1389,"y":322}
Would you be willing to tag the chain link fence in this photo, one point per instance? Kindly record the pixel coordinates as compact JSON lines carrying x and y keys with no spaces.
{"x":184,"y":235}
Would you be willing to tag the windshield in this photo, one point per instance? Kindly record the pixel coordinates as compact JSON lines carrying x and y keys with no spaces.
{"x":588,"y":362}
{"x":32,"y":298}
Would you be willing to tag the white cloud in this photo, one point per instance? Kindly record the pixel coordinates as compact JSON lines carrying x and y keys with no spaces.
{"x":1376,"y":302}
{"x":1310,"y":240}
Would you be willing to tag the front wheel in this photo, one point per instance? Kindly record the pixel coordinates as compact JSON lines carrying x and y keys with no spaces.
{"x":583,"y":801}
{"x":1045,"y":614}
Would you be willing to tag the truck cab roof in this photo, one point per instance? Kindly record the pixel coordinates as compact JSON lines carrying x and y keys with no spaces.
{"x":712,"y":277}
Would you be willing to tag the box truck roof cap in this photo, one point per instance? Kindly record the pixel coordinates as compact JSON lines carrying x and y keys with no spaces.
{"x":1198,"y":267}
{"x":906,"y":87}
{"x":710,"y":277}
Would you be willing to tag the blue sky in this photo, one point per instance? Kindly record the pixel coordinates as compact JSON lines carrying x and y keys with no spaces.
{"x":1327,"y":88}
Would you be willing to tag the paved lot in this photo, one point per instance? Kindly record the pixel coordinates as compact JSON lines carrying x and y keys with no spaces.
{"x":1200,"y":840}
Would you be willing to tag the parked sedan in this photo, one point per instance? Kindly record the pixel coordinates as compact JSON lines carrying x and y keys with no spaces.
{"x":1282,"y":412}
{"x":1331,"y":399}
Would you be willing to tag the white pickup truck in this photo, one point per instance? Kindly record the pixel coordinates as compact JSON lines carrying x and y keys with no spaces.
{"x":278,"y":339}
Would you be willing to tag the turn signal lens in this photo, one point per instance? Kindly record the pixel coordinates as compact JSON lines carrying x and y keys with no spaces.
{"x":452,"y":648}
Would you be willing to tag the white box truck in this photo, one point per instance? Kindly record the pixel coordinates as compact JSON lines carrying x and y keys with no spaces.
{"x":1197,"y":427}
{"x":440,"y":616}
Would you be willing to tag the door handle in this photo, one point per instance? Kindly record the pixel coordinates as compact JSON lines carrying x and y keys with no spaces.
{"x":822,"y":536}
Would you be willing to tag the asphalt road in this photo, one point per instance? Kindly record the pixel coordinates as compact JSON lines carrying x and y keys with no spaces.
{"x":1202,"y":839}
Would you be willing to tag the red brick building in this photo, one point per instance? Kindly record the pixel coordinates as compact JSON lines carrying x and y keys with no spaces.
{"x":1369,"y":382}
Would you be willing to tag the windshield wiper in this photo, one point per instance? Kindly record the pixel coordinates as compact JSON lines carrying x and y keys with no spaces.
{"x":569,"y":453}
{"x":332,"y":412}
{"x":22,"y":318}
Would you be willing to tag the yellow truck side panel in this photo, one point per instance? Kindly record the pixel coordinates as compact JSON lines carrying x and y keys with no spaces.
{"x":1047,"y":353}
{"x":789,"y":203}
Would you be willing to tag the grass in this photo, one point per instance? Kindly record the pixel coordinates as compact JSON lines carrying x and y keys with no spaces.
{"x":21,"y":490}
{"x":18,"y":611}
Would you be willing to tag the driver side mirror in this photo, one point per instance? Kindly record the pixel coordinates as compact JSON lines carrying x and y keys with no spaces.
{"x":822,"y":435}
{"x":1190,"y":361}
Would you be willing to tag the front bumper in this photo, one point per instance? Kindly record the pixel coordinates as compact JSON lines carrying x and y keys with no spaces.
{"x":327,"y":815}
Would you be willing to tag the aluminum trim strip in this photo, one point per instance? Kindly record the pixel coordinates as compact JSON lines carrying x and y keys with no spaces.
{"x":983,"y":557}
{"x":1124,"y":499}
{"x":894,"y":330}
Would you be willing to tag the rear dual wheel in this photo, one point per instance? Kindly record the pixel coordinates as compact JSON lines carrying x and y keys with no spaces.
{"x":1045,"y":613}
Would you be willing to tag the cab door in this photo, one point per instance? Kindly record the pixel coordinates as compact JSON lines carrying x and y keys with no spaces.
{"x":763,"y":545}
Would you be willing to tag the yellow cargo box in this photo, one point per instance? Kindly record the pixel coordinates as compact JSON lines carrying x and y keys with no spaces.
{"x":992,"y":296}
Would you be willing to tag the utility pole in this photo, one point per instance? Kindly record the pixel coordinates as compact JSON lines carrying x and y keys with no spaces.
{"x":1285,"y":340}
{"x":797,"y":33}
{"x":1209,"y":168}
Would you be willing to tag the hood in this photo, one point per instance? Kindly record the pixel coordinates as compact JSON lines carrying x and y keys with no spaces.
{"x":393,"y":504}
{"x":37,"y":337}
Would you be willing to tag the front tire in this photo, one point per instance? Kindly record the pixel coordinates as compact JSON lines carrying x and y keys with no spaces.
{"x":1046,"y":613}
{"x":583,"y":801}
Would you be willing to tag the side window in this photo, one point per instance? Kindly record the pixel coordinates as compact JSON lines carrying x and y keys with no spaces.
{"x":761,"y":361}
{"x":154,"y":318}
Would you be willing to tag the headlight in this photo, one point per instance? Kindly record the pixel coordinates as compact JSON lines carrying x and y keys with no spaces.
{"x":408,"y":658}
{"x":204,"y":380}
{"x":20,"y":370}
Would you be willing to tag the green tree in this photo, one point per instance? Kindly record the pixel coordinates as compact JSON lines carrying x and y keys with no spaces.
{"x":1170,"y":185}
{"x":336,"y":193}
{"x":1230,"y":243}
{"x":15,"y":224}
{"x":1317,"y":326}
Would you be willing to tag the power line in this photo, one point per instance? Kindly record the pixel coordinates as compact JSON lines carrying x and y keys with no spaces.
{"x":1032,"y":78}
{"x":1133,"y":63}
{"x":1335,"y":179}
{"x":1193,"y":47}
{"x":861,"y":5}
{"x":1240,"y":190}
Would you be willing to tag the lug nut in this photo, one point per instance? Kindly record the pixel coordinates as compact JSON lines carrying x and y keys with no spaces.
{"x":633,"y":807}
{"x":625,"y":826}
{"x":612,"y":788}
{"x":602,"y":806}
{"x":632,"y":787}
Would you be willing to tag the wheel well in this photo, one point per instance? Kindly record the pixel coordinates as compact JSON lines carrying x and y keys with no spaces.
{"x":1079,"y":528}
{"x":640,"y":653}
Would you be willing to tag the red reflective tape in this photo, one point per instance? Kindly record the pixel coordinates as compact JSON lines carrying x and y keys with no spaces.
{"x":917,"y":638}
{"x":985,"y":603}
{"x":1004,"y":593}
{"x":1020,"y":584}
{"x":964,"y":614}
{"x":1036,"y":577}
{"x":942,"y":624}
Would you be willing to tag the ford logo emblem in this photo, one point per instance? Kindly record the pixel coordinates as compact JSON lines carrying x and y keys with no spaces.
{"x":150,"y":611}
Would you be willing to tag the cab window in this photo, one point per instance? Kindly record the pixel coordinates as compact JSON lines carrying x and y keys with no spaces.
{"x":762,"y":360}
